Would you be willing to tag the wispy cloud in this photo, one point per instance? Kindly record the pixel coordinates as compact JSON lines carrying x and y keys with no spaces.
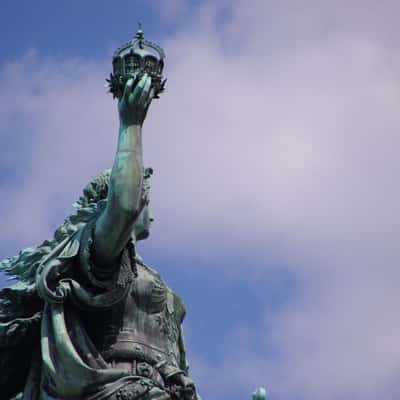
{"x":279,"y":130}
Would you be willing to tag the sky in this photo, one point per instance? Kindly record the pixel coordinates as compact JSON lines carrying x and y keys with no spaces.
{"x":275,"y":192}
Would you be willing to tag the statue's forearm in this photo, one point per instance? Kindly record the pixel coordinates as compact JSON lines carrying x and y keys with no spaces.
{"x":127,"y":173}
{"x":115,"y":224}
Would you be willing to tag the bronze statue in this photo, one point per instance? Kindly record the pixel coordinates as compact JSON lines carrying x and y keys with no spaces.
{"x":87,"y":318}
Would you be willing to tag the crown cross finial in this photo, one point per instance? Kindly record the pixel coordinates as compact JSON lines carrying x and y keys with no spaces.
{"x":139,"y":34}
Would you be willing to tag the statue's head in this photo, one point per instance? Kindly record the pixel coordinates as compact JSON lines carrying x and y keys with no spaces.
{"x":133,"y":59}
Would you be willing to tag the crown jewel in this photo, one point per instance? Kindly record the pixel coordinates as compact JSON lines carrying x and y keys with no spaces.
{"x":133,"y":59}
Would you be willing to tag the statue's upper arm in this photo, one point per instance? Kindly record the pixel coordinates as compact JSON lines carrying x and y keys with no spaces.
{"x":98,"y":274}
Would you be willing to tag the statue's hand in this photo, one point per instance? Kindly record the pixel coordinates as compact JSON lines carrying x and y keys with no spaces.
{"x":135,"y":101}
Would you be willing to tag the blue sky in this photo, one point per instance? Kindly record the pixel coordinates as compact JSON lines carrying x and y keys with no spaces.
{"x":275,"y":191}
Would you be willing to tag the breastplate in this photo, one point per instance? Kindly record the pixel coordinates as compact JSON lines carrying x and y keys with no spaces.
{"x":145,"y":325}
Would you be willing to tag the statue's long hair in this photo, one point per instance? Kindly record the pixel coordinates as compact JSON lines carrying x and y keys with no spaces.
{"x":23,"y":266}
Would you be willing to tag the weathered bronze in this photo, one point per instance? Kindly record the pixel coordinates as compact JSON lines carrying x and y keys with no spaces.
{"x":88,"y":319}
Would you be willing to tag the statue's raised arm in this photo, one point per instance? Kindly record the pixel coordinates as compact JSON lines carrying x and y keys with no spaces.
{"x":114,"y":227}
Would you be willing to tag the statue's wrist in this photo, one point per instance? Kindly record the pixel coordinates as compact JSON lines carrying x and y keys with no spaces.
{"x":130,"y":126}
{"x":130,"y":120}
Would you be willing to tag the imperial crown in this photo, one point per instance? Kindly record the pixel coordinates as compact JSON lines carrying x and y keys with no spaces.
{"x":133,"y":59}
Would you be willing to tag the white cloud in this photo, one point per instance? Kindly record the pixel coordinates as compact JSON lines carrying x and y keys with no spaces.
{"x":279,"y":125}
{"x":60,"y":125}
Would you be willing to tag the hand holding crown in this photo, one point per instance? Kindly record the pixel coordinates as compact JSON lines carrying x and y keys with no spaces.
{"x":136,"y":78}
{"x":135,"y":101}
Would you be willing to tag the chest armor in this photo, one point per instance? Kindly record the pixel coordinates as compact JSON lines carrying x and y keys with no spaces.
{"x":144,"y":325}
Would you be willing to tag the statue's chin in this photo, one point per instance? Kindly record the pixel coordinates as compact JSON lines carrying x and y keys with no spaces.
{"x":143,"y":235}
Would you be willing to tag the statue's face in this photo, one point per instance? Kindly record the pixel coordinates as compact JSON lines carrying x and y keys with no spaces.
{"x":141,"y":227}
